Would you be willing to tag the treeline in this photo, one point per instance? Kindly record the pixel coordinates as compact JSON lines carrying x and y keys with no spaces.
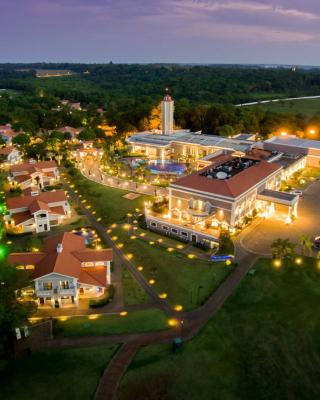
{"x":129,"y":93}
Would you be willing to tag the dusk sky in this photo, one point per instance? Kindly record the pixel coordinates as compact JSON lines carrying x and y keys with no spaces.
{"x":198,"y":31}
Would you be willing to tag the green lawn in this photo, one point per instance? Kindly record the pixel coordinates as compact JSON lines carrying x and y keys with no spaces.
{"x":108,"y":202}
{"x":136,"y":321}
{"x":263,"y":344}
{"x":187,"y":282}
{"x":132,"y":292}
{"x":62,"y":374}
{"x":308,"y":107}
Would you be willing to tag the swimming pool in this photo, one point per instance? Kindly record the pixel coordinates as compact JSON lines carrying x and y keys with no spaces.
{"x":167,"y":167}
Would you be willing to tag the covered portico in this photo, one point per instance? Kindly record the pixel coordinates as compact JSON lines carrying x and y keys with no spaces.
{"x":270,"y":198}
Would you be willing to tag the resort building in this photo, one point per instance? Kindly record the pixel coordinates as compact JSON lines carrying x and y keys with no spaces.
{"x":34,"y":174}
{"x":291,"y":144}
{"x":7,"y":133}
{"x":65,"y":270}
{"x":74,"y":132}
{"x":36,"y":212}
{"x":88,"y":149}
{"x":222,"y":195}
{"x":9,"y":155}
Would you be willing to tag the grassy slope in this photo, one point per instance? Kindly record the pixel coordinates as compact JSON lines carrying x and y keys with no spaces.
{"x":174,"y":273}
{"x":263,"y":344}
{"x":132,"y":292}
{"x":308,"y":107}
{"x":137,"y":321}
{"x":109,"y":203}
{"x":62,"y":374}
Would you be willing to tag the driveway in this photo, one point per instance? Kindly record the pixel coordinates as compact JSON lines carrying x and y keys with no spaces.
{"x":258,"y":237}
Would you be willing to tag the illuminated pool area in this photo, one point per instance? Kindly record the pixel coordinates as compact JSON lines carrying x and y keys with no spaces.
{"x":167,"y":167}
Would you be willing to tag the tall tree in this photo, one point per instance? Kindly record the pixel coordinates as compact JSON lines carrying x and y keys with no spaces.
{"x":13,"y":313}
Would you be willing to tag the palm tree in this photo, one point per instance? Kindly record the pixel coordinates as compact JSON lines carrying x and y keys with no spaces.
{"x":282,"y":248}
{"x":306,"y":245}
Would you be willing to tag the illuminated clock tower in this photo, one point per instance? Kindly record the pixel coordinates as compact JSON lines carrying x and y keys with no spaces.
{"x":167,"y":110}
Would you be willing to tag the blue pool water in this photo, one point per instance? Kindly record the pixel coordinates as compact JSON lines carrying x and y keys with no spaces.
{"x":167,"y":167}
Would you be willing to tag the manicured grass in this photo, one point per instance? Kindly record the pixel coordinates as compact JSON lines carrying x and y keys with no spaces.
{"x":136,"y":321}
{"x":57,"y":374}
{"x":308,"y":107}
{"x":187,"y":282}
{"x":108,"y":202}
{"x":132,"y":292}
{"x":263,"y":344}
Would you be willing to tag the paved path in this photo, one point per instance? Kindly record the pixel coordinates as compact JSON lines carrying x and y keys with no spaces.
{"x":119,"y":257}
{"x":277,"y":100}
{"x":187,"y":326}
{"x":109,"y":382}
{"x":94,"y":173}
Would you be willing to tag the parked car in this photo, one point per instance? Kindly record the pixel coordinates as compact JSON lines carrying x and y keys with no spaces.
{"x":297,"y":192}
{"x":316,"y":242}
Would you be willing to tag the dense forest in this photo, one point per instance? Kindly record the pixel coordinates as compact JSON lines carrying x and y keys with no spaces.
{"x":128,"y":93}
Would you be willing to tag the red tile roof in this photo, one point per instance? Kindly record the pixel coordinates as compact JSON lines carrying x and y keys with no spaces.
{"x":21,"y":217}
{"x":45,"y":197}
{"x":65,"y":263}
{"x":5,"y":151}
{"x":232,"y":187}
{"x":27,"y":166}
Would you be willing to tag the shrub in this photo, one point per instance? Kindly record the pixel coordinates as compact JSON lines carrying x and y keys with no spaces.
{"x":105,"y":300}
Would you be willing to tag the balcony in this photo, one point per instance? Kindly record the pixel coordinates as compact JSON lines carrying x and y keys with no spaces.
{"x":44,"y":292}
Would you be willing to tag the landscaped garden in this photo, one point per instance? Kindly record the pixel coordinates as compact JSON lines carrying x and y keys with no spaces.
{"x":108,"y":203}
{"x":263,"y":344}
{"x":64,"y":374}
{"x":98,"y":324}
{"x":182,"y":278}
{"x":179,"y":276}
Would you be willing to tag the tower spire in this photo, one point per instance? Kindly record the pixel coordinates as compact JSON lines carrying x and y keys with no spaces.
{"x":167,"y":109}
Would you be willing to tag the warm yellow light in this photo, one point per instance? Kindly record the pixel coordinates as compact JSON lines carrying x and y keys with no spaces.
{"x":94,"y":316}
{"x":298,"y":261}
{"x":312,"y":131}
{"x":163,"y":295}
{"x":152,"y":281}
{"x":140,"y":268}
{"x":191,"y":256}
{"x":277,"y":263}
{"x":113,"y":225}
{"x":123,"y":313}
{"x":129,"y":256}
{"x":142,"y":234}
{"x":180,"y":246}
{"x":160,"y":240}
{"x":126,"y":226}
{"x":172,"y":322}
{"x":151,"y":242}
{"x":109,"y":230}
{"x":178,"y":307}
{"x":133,"y":237}
{"x":62,"y":319}
{"x":120,"y":245}
{"x":170,"y":249}
{"x":35,"y":249}
{"x":228,"y":262}
{"x":284,"y":133}
{"x":114,"y":237}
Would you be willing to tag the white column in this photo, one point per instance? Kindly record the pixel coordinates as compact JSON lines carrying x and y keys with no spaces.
{"x":108,"y":273}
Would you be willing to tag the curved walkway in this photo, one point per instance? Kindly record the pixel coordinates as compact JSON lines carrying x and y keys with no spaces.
{"x":188,"y":324}
{"x":119,"y":256}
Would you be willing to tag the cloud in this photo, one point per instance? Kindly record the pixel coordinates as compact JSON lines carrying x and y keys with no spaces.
{"x":245,"y":7}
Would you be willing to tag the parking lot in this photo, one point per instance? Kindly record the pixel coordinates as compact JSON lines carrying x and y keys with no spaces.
{"x":258,"y":237}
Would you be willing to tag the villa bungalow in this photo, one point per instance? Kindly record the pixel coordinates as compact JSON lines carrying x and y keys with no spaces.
{"x":34,"y":174}
{"x":65,"y":270}
{"x":9,"y":155}
{"x":36,"y":212}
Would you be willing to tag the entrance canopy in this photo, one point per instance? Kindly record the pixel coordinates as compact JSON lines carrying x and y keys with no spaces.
{"x":273,"y":196}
